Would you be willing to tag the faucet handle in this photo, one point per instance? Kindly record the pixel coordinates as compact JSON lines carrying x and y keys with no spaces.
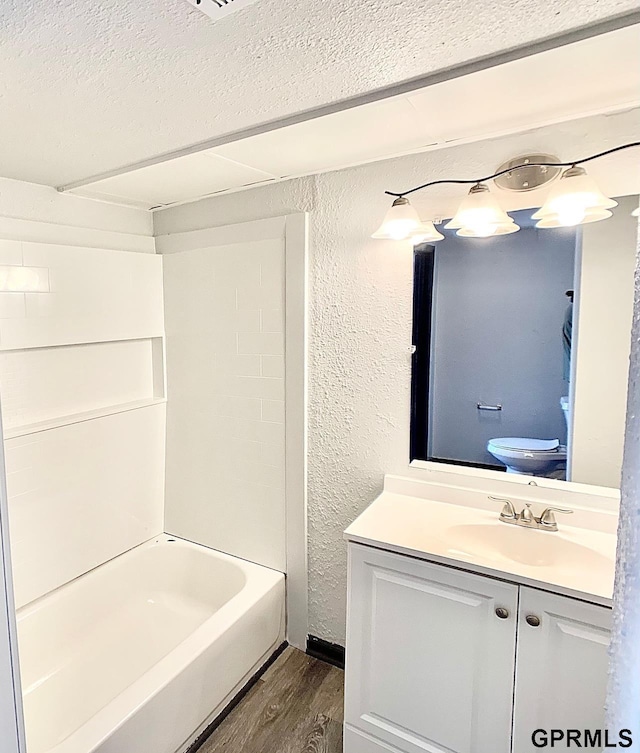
{"x":526,"y":516}
{"x":508,"y":510}
{"x":548,"y":519}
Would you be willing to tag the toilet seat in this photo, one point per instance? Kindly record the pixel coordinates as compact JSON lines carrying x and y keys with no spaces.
{"x":526,"y":444}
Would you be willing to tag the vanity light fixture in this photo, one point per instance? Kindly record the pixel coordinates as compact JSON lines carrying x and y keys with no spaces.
{"x":480,"y":215}
{"x":574,"y":200}
{"x":636,"y":212}
{"x":400,"y":222}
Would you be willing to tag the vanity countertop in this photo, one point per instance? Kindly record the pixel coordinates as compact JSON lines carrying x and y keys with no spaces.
{"x":574,"y":561}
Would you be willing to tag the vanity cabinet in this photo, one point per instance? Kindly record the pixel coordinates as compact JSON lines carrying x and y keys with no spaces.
{"x":440,"y":660}
{"x":561,"y":668}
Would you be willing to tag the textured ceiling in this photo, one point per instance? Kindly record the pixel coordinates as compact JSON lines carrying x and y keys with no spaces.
{"x":596,"y":75}
{"x":88,"y":87}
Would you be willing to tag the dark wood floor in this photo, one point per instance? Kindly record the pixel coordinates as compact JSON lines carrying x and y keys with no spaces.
{"x":295,"y":707}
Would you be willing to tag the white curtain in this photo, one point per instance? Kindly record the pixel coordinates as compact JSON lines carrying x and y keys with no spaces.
{"x":623,"y":698}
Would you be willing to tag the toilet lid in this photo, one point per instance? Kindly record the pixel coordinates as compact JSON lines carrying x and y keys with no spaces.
{"x":525,"y":444}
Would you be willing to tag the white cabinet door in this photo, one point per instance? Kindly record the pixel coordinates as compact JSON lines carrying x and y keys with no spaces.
{"x":429,"y":663}
{"x":561,"y":673}
{"x":357,"y":742}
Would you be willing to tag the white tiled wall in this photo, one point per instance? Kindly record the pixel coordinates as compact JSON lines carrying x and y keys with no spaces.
{"x":96,"y":295}
{"x":224,"y":312}
{"x":82,"y":494}
{"x":81,"y":489}
{"x":79,"y":378}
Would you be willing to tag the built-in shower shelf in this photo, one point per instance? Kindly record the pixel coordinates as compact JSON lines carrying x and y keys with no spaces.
{"x":11,"y":432}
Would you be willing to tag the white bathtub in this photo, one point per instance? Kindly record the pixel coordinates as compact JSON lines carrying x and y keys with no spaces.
{"x":140,"y":654}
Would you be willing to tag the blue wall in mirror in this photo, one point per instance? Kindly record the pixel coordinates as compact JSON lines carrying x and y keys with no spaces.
{"x":496,"y":329}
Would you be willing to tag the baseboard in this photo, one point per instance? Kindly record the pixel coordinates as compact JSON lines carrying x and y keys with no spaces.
{"x":203,"y":736}
{"x":332,"y":653}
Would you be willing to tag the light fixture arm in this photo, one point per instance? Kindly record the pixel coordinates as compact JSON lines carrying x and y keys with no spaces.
{"x":573,"y":163}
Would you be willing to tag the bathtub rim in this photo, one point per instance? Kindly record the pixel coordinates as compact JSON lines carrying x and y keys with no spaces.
{"x":157,"y":539}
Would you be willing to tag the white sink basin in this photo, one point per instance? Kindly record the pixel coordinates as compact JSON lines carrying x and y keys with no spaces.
{"x":576,"y":561}
{"x":500,"y":541}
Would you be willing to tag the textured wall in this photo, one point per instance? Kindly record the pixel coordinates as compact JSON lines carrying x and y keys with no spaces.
{"x":88,"y":87}
{"x":360,"y":320}
{"x":623,"y":702}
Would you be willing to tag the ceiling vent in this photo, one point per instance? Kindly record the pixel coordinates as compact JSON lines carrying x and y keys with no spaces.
{"x":219,"y":8}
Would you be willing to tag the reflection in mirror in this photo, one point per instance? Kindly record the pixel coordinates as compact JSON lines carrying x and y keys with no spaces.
{"x":522,"y":346}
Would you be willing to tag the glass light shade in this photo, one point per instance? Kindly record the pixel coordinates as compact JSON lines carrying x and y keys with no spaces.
{"x":426,"y":233}
{"x":574,"y":200}
{"x":487,"y":232}
{"x":555,"y":220}
{"x":481,"y":216}
{"x":400,"y":222}
{"x":636,"y":212}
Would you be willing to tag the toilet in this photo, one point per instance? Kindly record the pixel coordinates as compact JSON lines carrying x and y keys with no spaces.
{"x":529,"y":457}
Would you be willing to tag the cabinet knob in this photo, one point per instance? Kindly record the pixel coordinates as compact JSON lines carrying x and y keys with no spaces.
{"x":532,"y":620}
{"x":502,"y":613}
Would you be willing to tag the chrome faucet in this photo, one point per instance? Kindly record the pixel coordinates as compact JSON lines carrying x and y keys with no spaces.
{"x":526,"y":518}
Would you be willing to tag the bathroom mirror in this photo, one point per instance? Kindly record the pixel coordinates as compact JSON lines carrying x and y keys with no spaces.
{"x":521,"y":348}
